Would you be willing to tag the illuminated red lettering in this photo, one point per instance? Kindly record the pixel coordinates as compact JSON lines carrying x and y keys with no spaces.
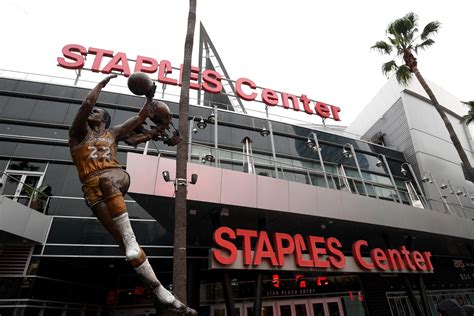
{"x":379,"y":259}
{"x":241,"y":93}
{"x":282,"y":250}
{"x":118,"y":63}
{"x":299,"y":248}
{"x":316,"y":251}
{"x":264,"y":250}
{"x":70,"y":51}
{"x":226,"y":246}
{"x":358,"y":256}
{"x":146,"y":64}
{"x":395,"y":260}
{"x":427,"y":256}
{"x":165,"y":68}
{"x":407,"y":259}
{"x":99,"y":54}
{"x":211,"y":81}
{"x":247,"y":244}
{"x":418,"y":260}
{"x":337,"y":258}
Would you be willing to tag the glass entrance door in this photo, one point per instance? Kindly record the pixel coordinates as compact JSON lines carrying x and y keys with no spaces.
{"x":326,"y":307}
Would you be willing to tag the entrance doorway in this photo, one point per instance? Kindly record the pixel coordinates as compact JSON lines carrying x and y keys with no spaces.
{"x":301,"y":307}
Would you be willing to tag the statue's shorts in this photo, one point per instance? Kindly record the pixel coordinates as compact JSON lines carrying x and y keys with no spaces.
{"x":93,"y":194}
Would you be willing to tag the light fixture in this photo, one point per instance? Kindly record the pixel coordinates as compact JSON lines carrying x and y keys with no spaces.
{"x":195,"y":130}
{"x":404,"y":171}
{"x":264,"y":132}
{"x":201,"y":124}
{"x":346,"y":153}
{"x":378,"y":163}
{"x":459,"y":192}
{"x":212,"y":117}
{"x":443,"y":185}
{"x":310,"y":143}
{"x":194,"y":178}
{"x":166,"y":176}
{"x":208,"y":157}
{"x":225,"y":211}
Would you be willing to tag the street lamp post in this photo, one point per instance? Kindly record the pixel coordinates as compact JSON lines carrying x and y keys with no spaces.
{"x":353,"y":154}
{"x":201,"y":125}
{"x":385,"y":162}
{"x":314,"y":145}
{"x":213,"y":120}
{"x":410,"y":168}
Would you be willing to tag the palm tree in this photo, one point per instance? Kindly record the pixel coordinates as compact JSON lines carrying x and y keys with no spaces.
{"x":179,"y":252}
{"x":469,"y":117}
{"x":403,"y":40}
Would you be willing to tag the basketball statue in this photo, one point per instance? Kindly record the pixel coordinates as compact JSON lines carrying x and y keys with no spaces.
{"x":139,"y":83}
{"x":93,"y":146}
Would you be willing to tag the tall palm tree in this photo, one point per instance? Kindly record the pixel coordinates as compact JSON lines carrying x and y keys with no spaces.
{"x":403,"y":40}
{"x":179,"y":252}
{"x":469,"y":117}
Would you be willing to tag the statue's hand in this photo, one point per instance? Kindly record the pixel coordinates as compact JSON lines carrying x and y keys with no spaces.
{"x":174,"y":140}
{"x":106,"y":80}
{"x":150,"y":94}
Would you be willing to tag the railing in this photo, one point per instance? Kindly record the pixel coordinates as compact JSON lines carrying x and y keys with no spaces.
{"x":311,"y":176}
{"x":31,"y":197}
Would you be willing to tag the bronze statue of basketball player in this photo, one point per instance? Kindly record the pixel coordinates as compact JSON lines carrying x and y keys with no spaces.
{"x":93,"y":146}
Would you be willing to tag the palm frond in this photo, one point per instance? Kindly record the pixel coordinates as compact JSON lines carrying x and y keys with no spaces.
{"x":470,"y":104}
{"x":430,"y":28}
{"x":466,"y":119}
{"x":424,"y":45}
{"x":403,"y":26}
{"x":389,"y":67}
{"x":403,"y":75}
{"x":383,"y":47}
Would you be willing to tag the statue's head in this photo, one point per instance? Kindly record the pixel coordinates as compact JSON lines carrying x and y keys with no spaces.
{"x":160,"y":114}
{"x":98,"y":116}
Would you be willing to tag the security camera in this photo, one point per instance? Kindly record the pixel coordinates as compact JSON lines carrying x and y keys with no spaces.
{"x":194,"y":178}
{"x":166,"y":176}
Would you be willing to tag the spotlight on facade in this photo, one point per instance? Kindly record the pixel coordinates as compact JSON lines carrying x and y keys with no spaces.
{"x":166,"y":176}
{"x":195,"y":130}
{"x":212,"y":117}
{"x":346,"y":153}
{"x":459,"y":192}
{"x":443,"y":186}
{"x":201,"y":124}
{"x":194,"y":178}
{"x":264,"y":132}
{"x":425,"y":179}
{"x":209,"y":158}
{"x":310,"y":143}
{"x":378,"y":163}
{"x":404,"y":171}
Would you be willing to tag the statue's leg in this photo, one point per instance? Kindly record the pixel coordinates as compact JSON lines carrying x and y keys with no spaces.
{"x":113,"y":185}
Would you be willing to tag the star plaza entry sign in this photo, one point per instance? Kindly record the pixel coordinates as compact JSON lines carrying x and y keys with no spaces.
{"x":106,"y":61}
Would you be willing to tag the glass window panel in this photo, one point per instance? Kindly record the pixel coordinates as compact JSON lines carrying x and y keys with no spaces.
{"x":333,"y":309}
{"x":49,"y":111}
{"x":267,"y":311}
{"x":11,"y":184}
{"x":68,"y":207}
{"x":61,"y":152}
{"x":285,"y":310}
{"x":318,"y":309}
{"x":26,"y":165}
{"x":72,"y":186}
{"x":18,"y":108}
{"x":33,"y":150}
{"x":300,"y":310}
{"x":55,"y":176}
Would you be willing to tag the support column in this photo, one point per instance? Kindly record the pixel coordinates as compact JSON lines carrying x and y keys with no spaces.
{"x":228,"y":297}
{"x":257,"y":303}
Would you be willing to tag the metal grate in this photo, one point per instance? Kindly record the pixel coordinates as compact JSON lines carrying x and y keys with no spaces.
{"x":14,"y":259}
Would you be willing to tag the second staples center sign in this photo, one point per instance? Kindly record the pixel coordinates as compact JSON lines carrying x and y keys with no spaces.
{"x":282,"y":251}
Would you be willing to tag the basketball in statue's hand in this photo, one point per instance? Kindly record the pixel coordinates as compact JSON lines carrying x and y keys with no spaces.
{"x":139,"y":83}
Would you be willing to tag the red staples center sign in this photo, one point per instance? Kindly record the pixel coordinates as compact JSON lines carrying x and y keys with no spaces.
{"x":106,"y":61}
{"x":296,"y":253}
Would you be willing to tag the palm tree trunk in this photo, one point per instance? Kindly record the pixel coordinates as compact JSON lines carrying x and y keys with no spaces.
{"x":447,"y":123}
{"x":179,"y":253}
